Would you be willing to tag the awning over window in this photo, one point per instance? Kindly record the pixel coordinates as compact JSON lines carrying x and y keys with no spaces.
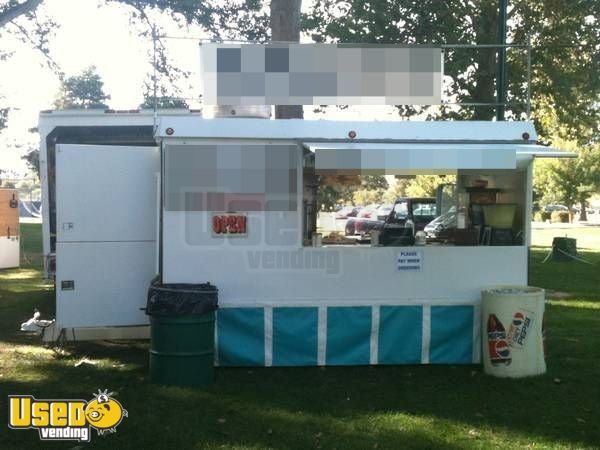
{"x":539,"y":151}
{"x":408,"y":159}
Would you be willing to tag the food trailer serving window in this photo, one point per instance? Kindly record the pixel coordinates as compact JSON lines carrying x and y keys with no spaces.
{"x":483,"y":202}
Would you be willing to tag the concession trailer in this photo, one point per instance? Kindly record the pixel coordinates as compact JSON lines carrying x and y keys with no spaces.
{"x":232,"y":200}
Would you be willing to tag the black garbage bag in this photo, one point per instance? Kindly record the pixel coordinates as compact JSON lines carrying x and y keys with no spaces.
{"x":177,"y":299}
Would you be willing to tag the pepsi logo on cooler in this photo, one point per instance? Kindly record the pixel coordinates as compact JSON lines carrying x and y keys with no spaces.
{"x":497,"y":344}
{"x":518,"y":319}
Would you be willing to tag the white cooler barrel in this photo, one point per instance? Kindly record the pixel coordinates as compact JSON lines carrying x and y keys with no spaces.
{"x":512,"y":331}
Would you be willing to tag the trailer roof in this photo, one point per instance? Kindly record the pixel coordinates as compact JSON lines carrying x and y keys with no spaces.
{"x":190,"y":124}
{"x":355,"y":131}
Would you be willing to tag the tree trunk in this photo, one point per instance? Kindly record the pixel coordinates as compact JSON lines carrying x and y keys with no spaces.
{"x":485,"y":25}
{"x":285,"y":27}
{"x":583,"y":213}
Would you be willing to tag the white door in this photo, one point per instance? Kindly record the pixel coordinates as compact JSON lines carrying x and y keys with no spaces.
{"x":106,"y":216}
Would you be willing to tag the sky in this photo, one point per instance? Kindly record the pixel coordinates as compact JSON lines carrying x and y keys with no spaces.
{"x":90,"y":33}
{"x":94,"y":33}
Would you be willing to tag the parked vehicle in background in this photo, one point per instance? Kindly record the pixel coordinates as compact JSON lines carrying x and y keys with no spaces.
{"x":349,"y":228}
{"x":408,"y":216}
{"x":383,"y":211}
{"x":354,"y":225}
{"x":374,"y":221}
{"x":577,"y":210}
{"x":439,"y":227}
{"x":347,"y":211}
{"x":552,"y":208}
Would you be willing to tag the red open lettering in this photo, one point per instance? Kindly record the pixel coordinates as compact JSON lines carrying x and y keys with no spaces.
{"x":216,"y":224}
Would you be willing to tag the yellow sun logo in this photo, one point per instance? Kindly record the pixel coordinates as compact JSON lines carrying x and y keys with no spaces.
{"x":104,"y":413}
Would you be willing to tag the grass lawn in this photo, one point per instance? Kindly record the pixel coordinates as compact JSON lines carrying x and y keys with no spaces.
{"x":588,"y":238}
{"x":451,"y":407}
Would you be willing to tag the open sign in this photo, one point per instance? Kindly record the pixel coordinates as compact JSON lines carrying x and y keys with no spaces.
{"x":229,"y":224}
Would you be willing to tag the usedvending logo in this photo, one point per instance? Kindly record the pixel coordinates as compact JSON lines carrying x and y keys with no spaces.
{"x":66,"y":420}
{"x":519,"y":328}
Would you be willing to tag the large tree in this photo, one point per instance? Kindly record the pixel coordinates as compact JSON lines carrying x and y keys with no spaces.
{"x":83,"y":91}
{"x":564,"y":34}
{"x":569,"y":182}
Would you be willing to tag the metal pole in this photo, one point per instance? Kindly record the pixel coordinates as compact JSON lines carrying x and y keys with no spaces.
{"x":528,"y":77}
{"x":154,"y":80}
{"x":501,"y":77}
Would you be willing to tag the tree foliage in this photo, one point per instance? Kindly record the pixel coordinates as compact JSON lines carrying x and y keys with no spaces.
{"x":3,"y":117}
{"x":22,"y":20}
{"x":564,"y":34}
{"x":163,"y":100}
{"x":371,"y":190}
{"x":84,"y":91}
{"x":220,"y":19}
{"x":13,"y":9}
{"x":32,"y":158}
{"x":570,"y":182}
{"x":426,"y":185}
{"x":396,"y":190}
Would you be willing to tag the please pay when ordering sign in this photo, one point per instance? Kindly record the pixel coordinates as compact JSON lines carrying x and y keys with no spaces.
{"x":410,"y":260}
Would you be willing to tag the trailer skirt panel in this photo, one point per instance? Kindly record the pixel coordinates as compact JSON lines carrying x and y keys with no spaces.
{"x":347,"y":335}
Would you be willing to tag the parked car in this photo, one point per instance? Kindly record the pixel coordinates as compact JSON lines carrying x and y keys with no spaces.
{"x":577,"y":210}
{"x":552,"y":208}
{"x":440,"y":226}
{"x":354,"y":225}
{"x":347,"y":211}
{"x":383,"y":211}
{"x":374,"y":221}
{"x":349,"y":228}
{"x":406,"y":217}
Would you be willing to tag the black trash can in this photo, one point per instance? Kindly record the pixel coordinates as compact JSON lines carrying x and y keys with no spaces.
{"x":182,"y":330}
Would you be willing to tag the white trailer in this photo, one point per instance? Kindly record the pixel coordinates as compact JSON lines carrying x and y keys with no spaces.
{"x":230,"y":201}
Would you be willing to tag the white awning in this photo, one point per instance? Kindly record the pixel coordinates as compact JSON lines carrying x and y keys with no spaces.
{"x":423,"y":158}
{"x":540,"y":151}
{"x":404,"y":158}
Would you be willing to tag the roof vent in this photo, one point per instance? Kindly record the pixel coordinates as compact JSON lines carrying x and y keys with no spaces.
{"x":236,"y":111}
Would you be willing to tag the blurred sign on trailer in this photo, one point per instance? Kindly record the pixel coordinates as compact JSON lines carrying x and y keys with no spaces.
{"x":321,"y":74}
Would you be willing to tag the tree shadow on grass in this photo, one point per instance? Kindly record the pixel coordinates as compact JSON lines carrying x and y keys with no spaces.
{"x":161,"y":417}
{"x":334,"y":407}
{"x":344,"y":407}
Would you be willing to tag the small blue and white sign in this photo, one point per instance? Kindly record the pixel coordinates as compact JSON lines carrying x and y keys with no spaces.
{"x":410,"y":260}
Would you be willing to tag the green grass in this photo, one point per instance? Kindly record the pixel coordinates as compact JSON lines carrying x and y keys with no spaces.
{"x":588,"y":237}
{"x":391,"y":407}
